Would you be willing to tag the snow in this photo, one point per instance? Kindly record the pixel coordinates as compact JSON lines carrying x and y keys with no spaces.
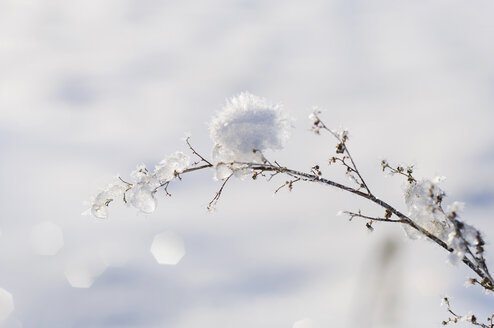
{"x":246,"y":126}
{"x":412,"y":81}
{"x":139,"y":192}
{"x":175,"y":163}
{"x":99,"y":207}
{"x":420,"y":198}
{"x":46,"y":238}
{"x":141,"y":196}
{"x":248,"y":123}
{"x":168,"y":248}
{"x":423,"y":200}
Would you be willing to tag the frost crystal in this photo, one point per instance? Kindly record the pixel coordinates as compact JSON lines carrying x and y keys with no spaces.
{"x":169,"y":167}
{"x":141,"y":196}
{"x":99,"y":207}
{"x":140,"y":174}
{"x":423,"y":200}
{"x":140,"y":191}
{"x":246,"y":126}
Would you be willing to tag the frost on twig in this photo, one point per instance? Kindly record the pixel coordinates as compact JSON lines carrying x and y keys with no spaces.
{"x":470,"y":318}
{"x":343,"y":155}
{"x":142,"y":187}
{"x":400,"y":169}
{"x":248,"y":126}
{"x":372,"y":219}
{"x":464,"y":242}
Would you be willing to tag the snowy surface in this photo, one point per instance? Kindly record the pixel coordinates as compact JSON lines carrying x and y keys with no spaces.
{"x":90,"y":89}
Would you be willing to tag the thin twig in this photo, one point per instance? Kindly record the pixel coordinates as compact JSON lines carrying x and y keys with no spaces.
{"x":196,"y":153}
{"x":218,"y":193}
{"x":360,"y":215}
{"x":406,"y":220}
{"x":345,"y":149}
{"x":127,"y":183}
{"x":472,"y":319}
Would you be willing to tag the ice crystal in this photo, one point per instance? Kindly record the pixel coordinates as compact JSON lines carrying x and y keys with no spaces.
{"x":423,"y":199}
{"x":141,"y":196}
{"x":169,"y":167}
{"x":246,"y":126}
{"x":99,"y":207}
{"x":424,"y":202}
{"x":141,"y":175}
{"x":140,"y":190}
{"x":462,"y":236}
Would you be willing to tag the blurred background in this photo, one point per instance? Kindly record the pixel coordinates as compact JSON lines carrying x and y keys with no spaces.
{"x":90,"y":89}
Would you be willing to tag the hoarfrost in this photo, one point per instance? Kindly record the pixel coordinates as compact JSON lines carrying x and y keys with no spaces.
{"x":175,"y":163}
{"x":225,"y":165}
{"x":141,"y":196}
{"x":245,"y":127}
{"x":463,"y":236}
{"x":99,"y":210}
{"x":140,"y":174}
{"x":423,"y":200}
{"x":99,"y":207}
{"x":223,"y":170}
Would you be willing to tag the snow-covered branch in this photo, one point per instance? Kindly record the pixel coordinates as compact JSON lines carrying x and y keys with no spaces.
{"x":248,"y":126}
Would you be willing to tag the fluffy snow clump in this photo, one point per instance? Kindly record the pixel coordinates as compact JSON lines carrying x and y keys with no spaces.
{"x":247,"y":126}
{"x":249,"y":123}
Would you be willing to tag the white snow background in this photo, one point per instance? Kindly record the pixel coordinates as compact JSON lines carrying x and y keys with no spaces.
{"x":89,"y":89}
